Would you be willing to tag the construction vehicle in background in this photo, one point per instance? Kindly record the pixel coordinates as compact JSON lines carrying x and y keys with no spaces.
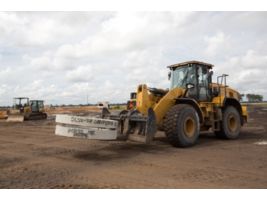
{"x":131,"y":104}
{"x":26,"y":109}
{"x":103,"y":104}
{"x":3,"y":114}
{"x":192,"y":105}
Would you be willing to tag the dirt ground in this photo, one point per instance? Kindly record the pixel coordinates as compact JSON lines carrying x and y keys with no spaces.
{"x":31,"y":156}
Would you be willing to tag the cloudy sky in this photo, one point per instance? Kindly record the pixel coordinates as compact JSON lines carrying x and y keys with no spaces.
{"x":63,"y":57}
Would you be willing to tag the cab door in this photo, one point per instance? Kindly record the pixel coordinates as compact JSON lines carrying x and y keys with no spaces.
{"x":34,"y":106}
{"x":203,"y":82}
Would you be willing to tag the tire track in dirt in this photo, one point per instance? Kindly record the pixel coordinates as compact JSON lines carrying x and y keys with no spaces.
{"x":33,"y":157}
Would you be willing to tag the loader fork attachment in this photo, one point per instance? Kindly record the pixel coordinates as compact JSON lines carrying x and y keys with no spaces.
{"x":139,"y":128}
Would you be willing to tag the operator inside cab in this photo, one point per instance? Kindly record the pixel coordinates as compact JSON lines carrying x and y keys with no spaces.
{"x":194,"y":76}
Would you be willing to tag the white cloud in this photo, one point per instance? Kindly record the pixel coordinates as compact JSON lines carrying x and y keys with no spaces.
{"x":216,"y":43}
{"x":80,"y":74}
{"x":42,"y":62}
{"x":63,"y":57}
{"x":247,"y":72}
{"x":252,"y":59}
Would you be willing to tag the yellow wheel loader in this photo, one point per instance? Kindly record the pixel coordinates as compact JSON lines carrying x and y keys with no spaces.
{"x":192,"y":105}
{"x":25,"y":109}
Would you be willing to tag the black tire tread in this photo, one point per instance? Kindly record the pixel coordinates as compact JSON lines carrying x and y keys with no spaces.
{"x":170,"y":125}
{"x":222,"y":133}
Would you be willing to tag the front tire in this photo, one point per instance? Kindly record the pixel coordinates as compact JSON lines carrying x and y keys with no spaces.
{"x":181,"y":125}
{"x":231,"y":124}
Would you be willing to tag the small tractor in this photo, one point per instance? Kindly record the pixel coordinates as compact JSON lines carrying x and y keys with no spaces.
{"x":192,"y":105}
{"x":25,"y":109}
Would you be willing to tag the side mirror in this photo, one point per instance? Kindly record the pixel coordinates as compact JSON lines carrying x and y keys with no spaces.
{"x":189,"y":86}
{"x":169,"y":75}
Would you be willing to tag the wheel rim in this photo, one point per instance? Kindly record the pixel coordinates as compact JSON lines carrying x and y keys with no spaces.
{"x":232,"y":123}
{"x":189,"y":127}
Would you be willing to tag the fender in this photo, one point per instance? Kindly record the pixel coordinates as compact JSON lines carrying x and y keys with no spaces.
{"x":236,"y":104}
{"x":193,"y":103}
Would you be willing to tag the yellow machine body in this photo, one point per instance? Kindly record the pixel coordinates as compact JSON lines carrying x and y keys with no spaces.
{"x":29,"y":110}
{"x":161,"y":104}
{"x":146,"y":99}
{"x":192,"y":105}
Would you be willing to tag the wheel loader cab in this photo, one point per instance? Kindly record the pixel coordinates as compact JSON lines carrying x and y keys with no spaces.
{"x":194,"y":77}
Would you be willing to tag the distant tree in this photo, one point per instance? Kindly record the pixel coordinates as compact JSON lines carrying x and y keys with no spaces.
{"x":254,"y":97}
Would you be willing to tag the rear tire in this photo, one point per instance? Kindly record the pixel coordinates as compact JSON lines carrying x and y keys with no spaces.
{"x":231,"y":124}
{"x":181,"y":125}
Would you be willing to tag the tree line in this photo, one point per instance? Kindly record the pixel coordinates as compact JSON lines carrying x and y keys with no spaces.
{"x":253,"y":97}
